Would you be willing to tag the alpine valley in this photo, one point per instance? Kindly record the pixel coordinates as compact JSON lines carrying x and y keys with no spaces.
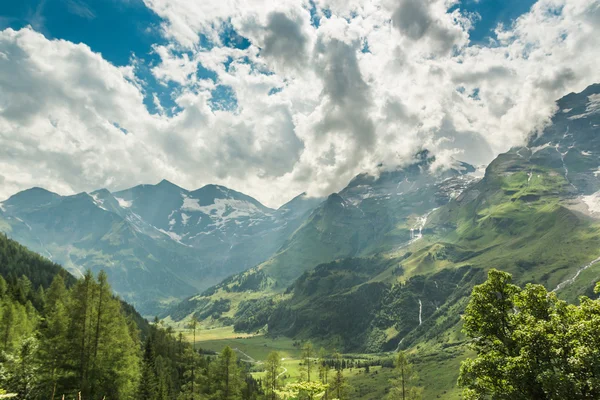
{"x":387,"y":263}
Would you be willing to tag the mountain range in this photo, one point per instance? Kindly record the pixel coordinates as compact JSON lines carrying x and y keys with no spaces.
{"x":391,"y":260}
{"x":395,"y":253}
{"x":158,"y":243}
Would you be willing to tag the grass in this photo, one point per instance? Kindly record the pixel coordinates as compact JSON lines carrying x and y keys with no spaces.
{"x":215,"y":334}
{"x":257,"y":347}
{"x":437,"y":368}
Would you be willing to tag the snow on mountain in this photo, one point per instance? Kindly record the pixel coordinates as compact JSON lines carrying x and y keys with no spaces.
{"x":124,"y":203}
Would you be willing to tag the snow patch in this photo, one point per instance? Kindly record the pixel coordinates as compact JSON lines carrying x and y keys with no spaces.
{"x":592,"y":107}
{"x":420,"y":312}
{"x":124,"y":203}
{"x":184,"y":219}
{"x":172,"y":222}
{"x":172,"y":235}
{"x":542,"y":147}
{"x":592,"y":202}
{"x":566,"y":110}
{"x":98,"y":201}
{"x":222,"y":210}
{"x":2,"y":207}
{"x":586,"y":153}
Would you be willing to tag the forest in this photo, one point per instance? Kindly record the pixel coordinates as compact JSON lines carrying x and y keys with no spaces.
{"x":67,"y":338}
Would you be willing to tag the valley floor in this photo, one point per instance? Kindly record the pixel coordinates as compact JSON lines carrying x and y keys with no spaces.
{"x":437,"y":367}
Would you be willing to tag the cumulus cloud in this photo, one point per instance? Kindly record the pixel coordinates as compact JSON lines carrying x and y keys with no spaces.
{"x":325,"y":90}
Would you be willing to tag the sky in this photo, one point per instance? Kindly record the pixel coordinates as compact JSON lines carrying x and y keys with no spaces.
{"x":275,"y":98}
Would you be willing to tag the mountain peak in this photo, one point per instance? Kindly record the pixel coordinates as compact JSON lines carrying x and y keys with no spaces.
{"x":36,"y":196}
{"x":168,"y":184}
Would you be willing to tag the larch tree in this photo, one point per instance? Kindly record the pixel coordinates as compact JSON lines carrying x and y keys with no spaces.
{"x":272,"y":378}
{"x":307,"y":361}
{"x":403,"y":387}
{"x":226,"y":376}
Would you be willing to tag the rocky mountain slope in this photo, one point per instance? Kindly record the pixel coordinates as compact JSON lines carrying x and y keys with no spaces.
{"x":372,"y":215}
{"x":158,"y":243}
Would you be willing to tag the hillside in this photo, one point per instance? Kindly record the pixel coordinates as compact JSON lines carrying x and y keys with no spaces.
{"x":18,"y":262}
{"x":372,"y":215}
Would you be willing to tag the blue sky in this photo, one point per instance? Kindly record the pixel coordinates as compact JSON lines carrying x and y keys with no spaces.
{"x":119,"y":29}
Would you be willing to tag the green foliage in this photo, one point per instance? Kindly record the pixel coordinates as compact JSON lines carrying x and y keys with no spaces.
{"x":302,"y":391}
{"x":403,"y":385}
{"x":225,"y":377}
{"x":529,"y":344}
{"x":272,"y":379}
{"x":252,"y":315}
{"x":72,"y":337}
{"x":307,"y":366}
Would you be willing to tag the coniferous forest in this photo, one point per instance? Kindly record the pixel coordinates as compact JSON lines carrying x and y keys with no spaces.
{"x":65,"y":337}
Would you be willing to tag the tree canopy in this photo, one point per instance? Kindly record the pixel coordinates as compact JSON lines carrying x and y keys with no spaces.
{"x":530,"y":344}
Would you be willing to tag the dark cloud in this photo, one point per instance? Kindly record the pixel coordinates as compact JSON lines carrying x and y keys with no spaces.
{"x":559,"y":80}
{"x":347,"y":94}
{"x":413,"y":18}
{"x":284,"y":41}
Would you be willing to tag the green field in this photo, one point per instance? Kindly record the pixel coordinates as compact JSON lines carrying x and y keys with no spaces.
{"x":437,"y":368}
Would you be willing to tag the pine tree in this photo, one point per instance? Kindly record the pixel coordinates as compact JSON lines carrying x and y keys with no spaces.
{"x":148,"y":387}
{"x":339,"y":387}
{"x":104,"y":350}
{"x":22,"y":368}
{"x":323,"y":371}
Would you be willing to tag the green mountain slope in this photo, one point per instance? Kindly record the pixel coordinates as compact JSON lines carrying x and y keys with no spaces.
{"x":533,"y":214}
{"x":372,"y":215}
{"x":18,"y":262}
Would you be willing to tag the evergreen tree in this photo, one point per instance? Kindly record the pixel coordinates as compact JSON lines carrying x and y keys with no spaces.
{"x":339,"y":386}
{"x":103,"y":350}
{"x":148,"y":387}
{"x":53,"y":333}
{"x":21,"y":375}
{"x":226,"y":376}
{"x":324,"y":371}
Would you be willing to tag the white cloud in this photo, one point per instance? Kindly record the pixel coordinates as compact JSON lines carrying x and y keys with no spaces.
{"x":374,"y":82}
